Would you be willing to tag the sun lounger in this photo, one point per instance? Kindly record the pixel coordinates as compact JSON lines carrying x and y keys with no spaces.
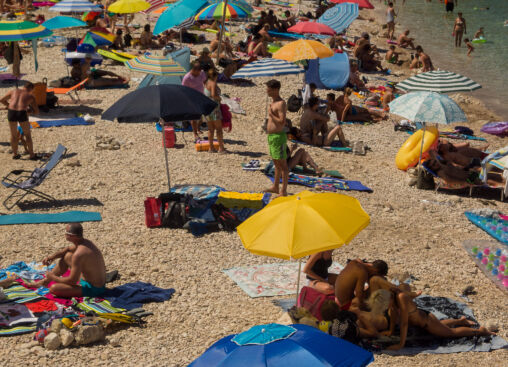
{"x":69,"y":91}
{"x":25,"y":184}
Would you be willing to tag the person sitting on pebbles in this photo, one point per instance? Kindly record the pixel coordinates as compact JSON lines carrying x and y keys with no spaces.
{"x":85,"y":262}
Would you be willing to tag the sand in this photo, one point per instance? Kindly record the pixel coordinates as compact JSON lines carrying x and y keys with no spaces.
{"x":414,"y":237}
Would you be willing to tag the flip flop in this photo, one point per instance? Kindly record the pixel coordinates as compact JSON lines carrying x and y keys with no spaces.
{"x":17,"y":156}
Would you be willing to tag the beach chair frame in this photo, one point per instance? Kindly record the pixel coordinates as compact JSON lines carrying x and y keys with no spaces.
{"x":15,"y":178}
{"x":69,"y":91}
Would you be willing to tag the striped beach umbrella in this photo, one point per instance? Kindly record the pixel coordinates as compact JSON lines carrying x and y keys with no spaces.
{"x":19,"y":30}
{"x":158,"y":65}
{"x":267,"y":67}
{"x":99,"y":37}
{"x":439,"y":81}
{"x":215,"y":11}
{"x":129,"y":6}
{"x":75,"y":6}
{"x":363,"y":4}
{"x":340,"y":16}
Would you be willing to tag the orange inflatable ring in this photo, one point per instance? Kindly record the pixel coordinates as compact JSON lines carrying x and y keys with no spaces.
{"x":409,"y":153}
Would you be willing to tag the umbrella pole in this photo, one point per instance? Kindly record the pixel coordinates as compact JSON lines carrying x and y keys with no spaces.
{"x":298,"y":281}
{"x":221,"y":32}
{"x":163,"y":123}
{"x":419,"y":183}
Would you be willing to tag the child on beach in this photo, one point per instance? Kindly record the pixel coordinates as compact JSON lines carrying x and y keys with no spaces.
{"x":392,"y":56}
{"x":469,"y":45}
{"x":479,"y":34}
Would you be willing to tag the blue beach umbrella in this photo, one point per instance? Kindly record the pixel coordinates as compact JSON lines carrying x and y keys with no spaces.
{"x":340,"y":16}
{"x":61,"y":21}
{"x":275,"y":345}
{"x":177,"y":13}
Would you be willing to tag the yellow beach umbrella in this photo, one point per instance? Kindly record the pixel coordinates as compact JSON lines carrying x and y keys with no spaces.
{"x":303,"y":224}
{"x":128,"y":6}
{"x":303,"y":50}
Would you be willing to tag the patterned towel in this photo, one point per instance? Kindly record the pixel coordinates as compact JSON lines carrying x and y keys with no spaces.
{"x":269,"y":280}
{"x":324,"y":183}
{"x":98,"y":305}
{"x":496,"y":227}
{"x":17,"y":330}
{"x":19,"y":294}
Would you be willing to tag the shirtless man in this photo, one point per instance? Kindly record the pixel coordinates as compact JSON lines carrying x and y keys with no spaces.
{"x":100,"y":78}
{"x":389,"y":96}
{"x":277,"y":138}
{"x":423,"y":59}
{"x":86,"y":265}
{"x":351,"y":281}
{"x":17,"y":102}
{"x":314,"y":126}
{"x":263,"y":32}
{"x":405,"y":41}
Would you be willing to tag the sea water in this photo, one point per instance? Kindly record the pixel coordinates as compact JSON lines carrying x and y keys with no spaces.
{"x":432,"y":28}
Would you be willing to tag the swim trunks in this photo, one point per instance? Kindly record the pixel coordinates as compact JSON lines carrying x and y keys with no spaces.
{"x":449,"y":7}
{"x":344,"y":307}
{"x":277,"y":144}
{"x":17,"y":116}
{"x":89,"y":290}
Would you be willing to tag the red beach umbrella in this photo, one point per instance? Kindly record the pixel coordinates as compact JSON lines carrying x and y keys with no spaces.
{"x":362,"y":4}
{"x":311,"y":27}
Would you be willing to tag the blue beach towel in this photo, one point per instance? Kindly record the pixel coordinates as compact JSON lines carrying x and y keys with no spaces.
{"x":325,"y":183}
{"x":63,"y":122}
{"x":134,"y":295}
{"x":64,"y":217}
{"x":30,"y":271}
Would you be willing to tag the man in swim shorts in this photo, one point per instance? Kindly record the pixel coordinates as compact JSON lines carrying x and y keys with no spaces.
{"x":18,"y":101}
{"x":450,"y":5}
{"x":351,"y":281}
{"x":86,"y":265}
{"x":277,"y":138}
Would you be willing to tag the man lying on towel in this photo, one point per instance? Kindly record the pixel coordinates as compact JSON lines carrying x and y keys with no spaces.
{"x":100,"y":78}
{"x":87,"y":276}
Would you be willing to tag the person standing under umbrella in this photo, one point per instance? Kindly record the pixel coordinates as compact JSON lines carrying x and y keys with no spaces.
{"x":195,"y":79}
{"x":277,"y":138}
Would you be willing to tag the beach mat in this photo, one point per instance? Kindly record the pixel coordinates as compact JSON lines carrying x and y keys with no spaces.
{"x":332,"y":148}
{"x":17,"y":330}
{"x":119,"y":86}
{"x":64,"y":217}
{"x":268,"y":280}
{"x":496,"y":227}
{"x":75,"y":121}
{"x":421,"y":342}
{"x":493,"y":256}
{"x":262,"y":165}
{"x":323,"y":183}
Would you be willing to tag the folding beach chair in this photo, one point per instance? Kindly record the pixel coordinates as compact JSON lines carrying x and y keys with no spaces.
{"x":69,"y":91}
{"x":25,"y":184}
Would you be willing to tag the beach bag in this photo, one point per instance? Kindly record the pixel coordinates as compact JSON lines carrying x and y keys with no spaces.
{"x":51,"y":100}
{"x":226,"y":218}
{"x":345,"y":327}
{"x":40,"y":92}
{"x":226,"y":117}
{"x":294,"y":103}
{"x":425,"y":180}
{"x":152,"y":212}
{"x":174,"y":209}
{"x":313,"y":300}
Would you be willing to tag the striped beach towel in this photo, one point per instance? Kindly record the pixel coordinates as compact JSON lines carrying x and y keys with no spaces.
{"x":20,"y":294}
{"x":16,"y":330}
{"x":199,"y":192}
{"x":98,"y":305}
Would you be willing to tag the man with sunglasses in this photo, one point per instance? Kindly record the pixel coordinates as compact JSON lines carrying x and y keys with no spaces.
{"x":87,"y":277}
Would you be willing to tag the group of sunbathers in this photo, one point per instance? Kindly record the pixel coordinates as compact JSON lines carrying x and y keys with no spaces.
{"x":362,"y":288}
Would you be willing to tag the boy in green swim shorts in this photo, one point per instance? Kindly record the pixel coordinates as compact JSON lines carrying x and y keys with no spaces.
{"x":277,"y":139}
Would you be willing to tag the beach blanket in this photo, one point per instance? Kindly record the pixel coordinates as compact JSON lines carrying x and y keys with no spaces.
{"x":268,"y":280}
{"x":490,"y":258}
{"x":199,"y":192}
{"x":19,"y":294}
{"x":98,"y":305}
{"x":64,"y":217}
{"x":134,"y":295}
{"x":17,"y":330}
{"x":495,"y":226}
{"x":257,"y":165}
{"x":419,"y":341}
{"x":14,"y":314}
{"x":42,"y":305}
{"x":30,"y":271}
{"x":75,"y":121}
{"x":336,"y":146}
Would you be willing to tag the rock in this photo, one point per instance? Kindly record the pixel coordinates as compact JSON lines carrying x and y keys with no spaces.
{"x":37,"y":349}
{"x":73,"y":163}
{"x":387,"y":208}
{"x":114,"y":341}
{"x":492,"y":326}
{"x":56,"y":326}
{"x":29,"y":345}
{"x":412,"y":181}
{"x":67,"y":337}
{"x":89,"y":334}
{"x":52,"y":341}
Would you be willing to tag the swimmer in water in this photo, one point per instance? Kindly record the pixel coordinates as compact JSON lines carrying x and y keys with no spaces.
{"x":469,"y":46}
{"x":479,"y":34}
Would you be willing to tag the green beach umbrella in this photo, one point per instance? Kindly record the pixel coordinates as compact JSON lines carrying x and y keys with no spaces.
{"x":20,"y":30}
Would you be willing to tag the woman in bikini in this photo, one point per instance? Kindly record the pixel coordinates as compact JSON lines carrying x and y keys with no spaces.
{"x":343,"y":107}
{"x":257,"y":47}
{"x":459,"y":29}
{"x":214,"y":120}
{"x":316,"y":269}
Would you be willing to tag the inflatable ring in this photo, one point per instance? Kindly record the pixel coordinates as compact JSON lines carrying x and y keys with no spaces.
{"x":273,"y":47}
{"x":410,"y":151}
{"x":479,"y":40}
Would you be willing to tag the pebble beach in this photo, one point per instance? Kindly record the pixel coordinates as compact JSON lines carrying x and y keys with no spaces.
{"x":112,"y":168}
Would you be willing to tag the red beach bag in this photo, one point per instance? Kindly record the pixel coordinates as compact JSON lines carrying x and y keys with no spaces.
{"x":313,"y":300}
{"x":152,"y":212}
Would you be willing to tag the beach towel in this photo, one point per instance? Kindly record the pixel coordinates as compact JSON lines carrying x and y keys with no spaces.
{"x":14,"y":314}
{"x":268,"y":280}
{"x":19,"y":294}
{"x":257,"y":165}
{"x":134,"y":295}
{"x":199,"y":192}
{"x":495,"y":226}
{"x":17,"y":330}
{"x":98,"y":305}
{"x":64,"y":217}
{"x":233,"y":104}
{"x":118,"y":86}
{"x":419,"y":341}
{"x":30,"y":271}
{"x":75,"y":121}
{"x":336,"y":146}
{"x":41,"y":306}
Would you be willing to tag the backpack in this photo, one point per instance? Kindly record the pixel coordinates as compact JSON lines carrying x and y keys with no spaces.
{"x":294,"y":103}
{"x":174,"y":210}
{"x":313,"y":300}
{"x":226,"y":218}
{"x":345,"y":327}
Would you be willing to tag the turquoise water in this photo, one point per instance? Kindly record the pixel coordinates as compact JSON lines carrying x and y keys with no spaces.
{"x":432,"y":29}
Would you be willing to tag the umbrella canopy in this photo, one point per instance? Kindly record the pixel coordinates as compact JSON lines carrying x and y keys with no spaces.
{"x":303,"y":50}
{"x":427,"y":107}
{"x":242,"y":3}
{"x":158,"y":65}
{"x":340,"y":16}
{"x":299,"y":345}
{"x":128,"y":6}
{"x":439,"y":81}
{"x":267,"y":67}
{"x":60,"y":22}
{"x":160,"y":10}
{"x":75,"y":6}
{"x":19,"y":30}
{"x":177,"y":13}
{"x":362,"y":4}
{"x":303,"y":224}
{"x":216,"y":10}
{"x":311,"y":27}
{"x":98,"y":37}
{"x":168,"y":102}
